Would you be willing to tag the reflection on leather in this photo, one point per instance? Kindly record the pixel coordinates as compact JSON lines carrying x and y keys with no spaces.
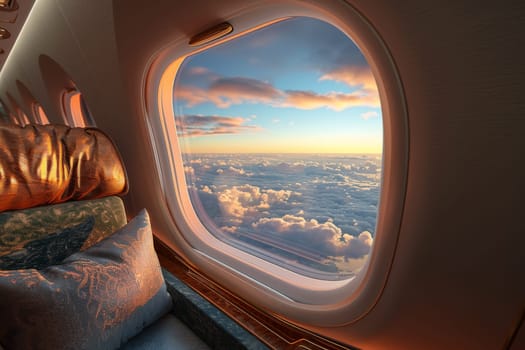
{"x":45,"y":164}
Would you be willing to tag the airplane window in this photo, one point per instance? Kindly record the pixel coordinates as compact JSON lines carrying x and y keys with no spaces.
{"x":40,"y":114}
{"x":281,"y":134}
{"x":15,"y":120}
{"x":23,"y":117}
{"x":76,"y":112}
{"x":18,"y":116}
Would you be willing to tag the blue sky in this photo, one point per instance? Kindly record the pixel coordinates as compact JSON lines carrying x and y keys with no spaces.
{"x":297,"y":86}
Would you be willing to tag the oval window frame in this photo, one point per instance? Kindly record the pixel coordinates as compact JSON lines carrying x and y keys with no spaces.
{"x":349,"y":301}
{"x":74,"y":109}
{"x":39,"y":114}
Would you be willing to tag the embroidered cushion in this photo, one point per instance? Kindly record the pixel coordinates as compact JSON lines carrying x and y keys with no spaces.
{"x":95,"y":299}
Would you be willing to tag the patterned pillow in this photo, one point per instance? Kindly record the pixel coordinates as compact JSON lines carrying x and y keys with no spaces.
{"x":95,"y":299}
{"x":59,"y":229}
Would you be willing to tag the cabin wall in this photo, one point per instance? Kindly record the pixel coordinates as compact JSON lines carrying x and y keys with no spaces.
{"x":457,"y":277}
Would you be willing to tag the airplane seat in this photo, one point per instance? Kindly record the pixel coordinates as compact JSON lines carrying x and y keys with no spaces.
{"x":73,"y":271}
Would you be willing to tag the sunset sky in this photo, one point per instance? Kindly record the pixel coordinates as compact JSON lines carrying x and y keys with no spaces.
{"x":297,"y":86}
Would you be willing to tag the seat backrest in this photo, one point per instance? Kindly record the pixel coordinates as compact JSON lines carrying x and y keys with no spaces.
{"x":57,"y":192}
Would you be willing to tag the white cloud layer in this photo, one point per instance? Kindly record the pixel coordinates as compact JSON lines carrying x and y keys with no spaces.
{"x":325,"y":237}
{"x":324,"y":205}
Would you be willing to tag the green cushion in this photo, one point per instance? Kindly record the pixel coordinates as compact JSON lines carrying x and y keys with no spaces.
{"x":67,"y":226}
{"x":49,"y":250}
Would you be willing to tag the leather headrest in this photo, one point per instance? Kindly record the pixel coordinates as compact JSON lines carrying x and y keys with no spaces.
{"x":45,"y":164}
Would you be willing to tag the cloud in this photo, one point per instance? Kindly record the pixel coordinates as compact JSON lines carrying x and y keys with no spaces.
{"x":238,"y":208}
{"x":239,"y":89}
{"x":318,"y":210}
{"x":231,"y":170}
{"x":198,"y":125}
{"x":225,"y":92}
{"x":325,"y":238}
{"x":370,"y":114}
{"x":199,"y":71}
{"x":332,"y":100}
{"x":357,"y":77}
{"x":193,"y":96}
{"x":354,"y":76}
{"x":239,"y":203}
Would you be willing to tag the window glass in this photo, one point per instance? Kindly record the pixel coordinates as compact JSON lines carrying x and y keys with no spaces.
{"x":76,"y":112}
{"x":40,"y":114}
{"x":15,"y":120}
{"x":23,"y":117}
{"x":281,"y":137}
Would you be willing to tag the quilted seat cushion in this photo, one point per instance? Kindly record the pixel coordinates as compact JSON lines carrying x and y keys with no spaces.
{"x":42,"y":236}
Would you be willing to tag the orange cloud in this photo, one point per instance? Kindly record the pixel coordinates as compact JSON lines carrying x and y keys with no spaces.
{"x":332,"y":100}
{"x":354,"y":76}
{"x":197,"y":125}
{"x":239,"y":90}
{"x":195,"y":96}
{"x":224,"y":92}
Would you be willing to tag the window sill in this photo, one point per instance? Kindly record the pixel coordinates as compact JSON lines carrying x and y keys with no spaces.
{"x":208,"y":309}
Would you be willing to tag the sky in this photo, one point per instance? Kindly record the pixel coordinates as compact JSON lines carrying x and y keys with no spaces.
{"x":297,"y":86}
